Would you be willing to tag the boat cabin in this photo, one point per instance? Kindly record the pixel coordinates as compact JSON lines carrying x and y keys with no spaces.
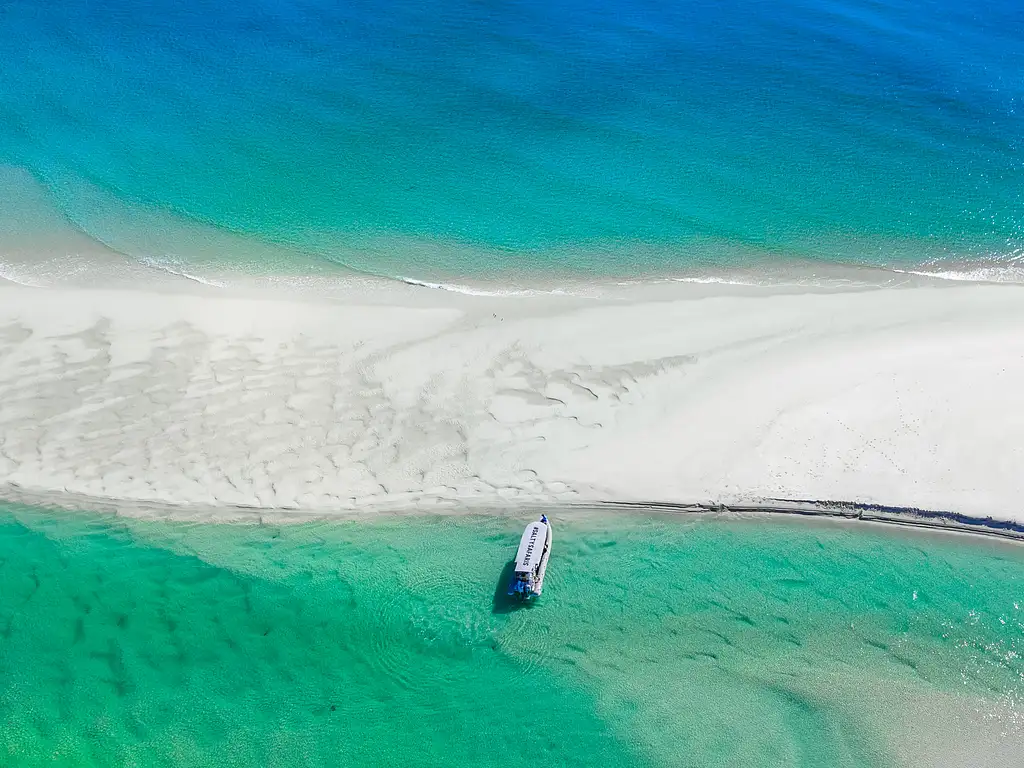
{"x":531,"y":549}
{"x":531,"y":560}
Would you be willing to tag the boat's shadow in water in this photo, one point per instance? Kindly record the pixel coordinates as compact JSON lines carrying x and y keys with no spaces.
{"x":503,"y":602}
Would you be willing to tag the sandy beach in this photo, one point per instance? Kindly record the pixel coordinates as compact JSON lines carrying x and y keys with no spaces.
{"x":905,"y":396}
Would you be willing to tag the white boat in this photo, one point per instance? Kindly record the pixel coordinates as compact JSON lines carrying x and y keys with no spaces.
{"x":532,"y":560}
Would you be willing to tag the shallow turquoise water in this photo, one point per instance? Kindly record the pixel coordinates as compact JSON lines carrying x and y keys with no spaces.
{"x":482,"y":139}
{"x":659,"y":641}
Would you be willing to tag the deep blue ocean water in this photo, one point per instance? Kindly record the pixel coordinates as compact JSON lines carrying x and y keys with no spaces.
{"x":480,"y":138}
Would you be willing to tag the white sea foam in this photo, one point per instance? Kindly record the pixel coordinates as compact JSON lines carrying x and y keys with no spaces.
{"x":177,"y":269}
{"x":467,"y":290}
{"x":1000,"y":274}
{"x":13,"y":275}
{"x":463,"y":289}
{"x":713,"y":280}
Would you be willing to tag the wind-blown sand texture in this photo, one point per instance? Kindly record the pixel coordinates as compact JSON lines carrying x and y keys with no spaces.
{"x":908,"y":396}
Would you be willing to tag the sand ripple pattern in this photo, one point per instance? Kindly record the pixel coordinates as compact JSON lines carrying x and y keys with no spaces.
{"x":192,"y":400}
{"x":272,"y":419}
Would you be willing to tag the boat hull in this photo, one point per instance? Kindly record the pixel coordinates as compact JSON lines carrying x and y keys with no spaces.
{"x":545,"y":556}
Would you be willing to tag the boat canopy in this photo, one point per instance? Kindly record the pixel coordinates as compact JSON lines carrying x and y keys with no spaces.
{"x":531,"y":547}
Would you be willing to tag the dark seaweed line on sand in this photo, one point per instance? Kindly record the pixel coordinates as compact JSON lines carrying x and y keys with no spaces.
{"x":846,"y":510}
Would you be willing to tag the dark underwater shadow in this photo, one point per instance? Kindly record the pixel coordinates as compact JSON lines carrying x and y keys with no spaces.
{"x":503,"y":602}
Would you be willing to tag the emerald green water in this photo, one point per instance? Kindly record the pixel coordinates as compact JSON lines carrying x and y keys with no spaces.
{"x":659,"y":641}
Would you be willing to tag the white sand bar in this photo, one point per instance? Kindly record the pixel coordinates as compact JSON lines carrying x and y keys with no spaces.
{"x":910,"y":396}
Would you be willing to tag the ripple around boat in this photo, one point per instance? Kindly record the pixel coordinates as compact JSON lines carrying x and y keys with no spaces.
{"x":755,"y":643}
